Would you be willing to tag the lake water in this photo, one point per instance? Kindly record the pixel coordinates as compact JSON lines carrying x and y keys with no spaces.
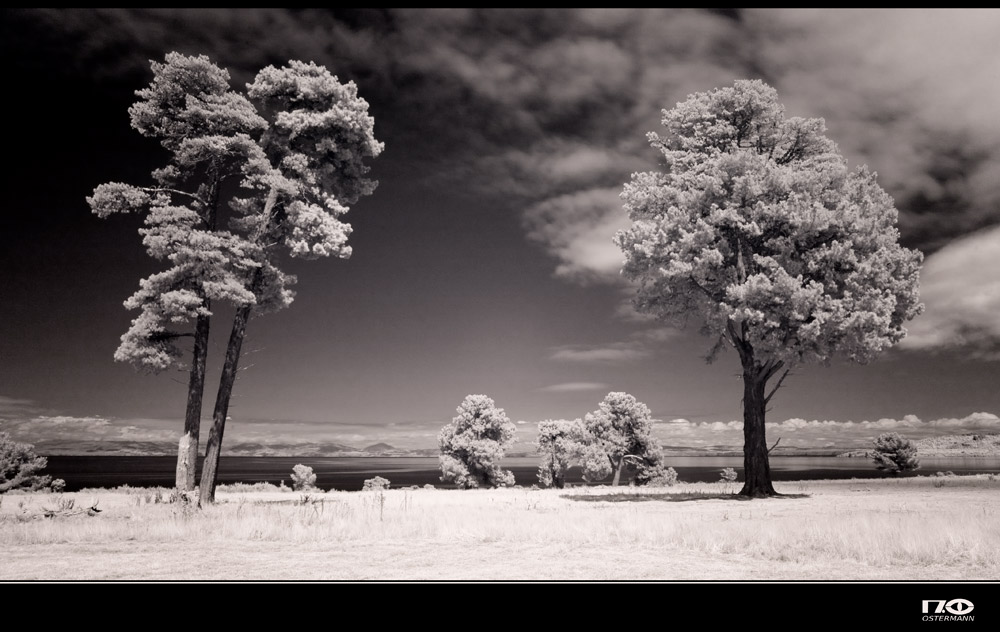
{"x":349,"y":473}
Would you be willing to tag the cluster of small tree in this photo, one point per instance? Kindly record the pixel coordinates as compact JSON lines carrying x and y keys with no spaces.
{"x":615,"y":438}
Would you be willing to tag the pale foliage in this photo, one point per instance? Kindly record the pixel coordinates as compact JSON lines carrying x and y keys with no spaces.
{"x":756,"y":223}
{"x":319,"y":136}
{"x":559,"y":444}
{"x":190,"y":108}
{"x":303,"y":478}
{"x":19,"y":466}
{"x":619,"y":435}
{"x":375,"y":484}
{"x":893,"y":453}
{"x":296,"y":148}
{"x":664,"y":478}
{"x":473,"y":444}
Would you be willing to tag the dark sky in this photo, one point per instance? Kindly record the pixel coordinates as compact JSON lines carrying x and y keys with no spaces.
{"x":483,"y":263}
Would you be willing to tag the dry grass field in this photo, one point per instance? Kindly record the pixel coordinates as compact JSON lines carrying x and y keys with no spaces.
{"x":924,"y":528}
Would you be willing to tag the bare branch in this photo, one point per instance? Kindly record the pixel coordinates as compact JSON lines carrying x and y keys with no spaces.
{"x":771,"y":367}
{"x":777,"y":385}
{"x":774,"y":446}
{"x":704,"y":289}
{"x":175,"y":192}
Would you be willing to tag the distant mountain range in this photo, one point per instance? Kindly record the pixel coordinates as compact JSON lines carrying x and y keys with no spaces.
{"x":332,"y":449}
{"x":950,"y":445}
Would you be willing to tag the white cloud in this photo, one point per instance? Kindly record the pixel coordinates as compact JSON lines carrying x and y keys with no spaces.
{"x":615,"y":352}
{"x":960,"y":287}
{"x":797,"y":432}
{"x":577,"y":228}
{"x":574,"y":387}
{"x":640,"y":344}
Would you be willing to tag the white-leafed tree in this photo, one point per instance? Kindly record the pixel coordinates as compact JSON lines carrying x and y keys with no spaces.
{"x":756,"y":228}
{"x":318,"y":138}
{"x":294,"y":147}
{"x":208,"y":130}
{"x":618,"y":436}
{"x":558,"y":443}
{"x":473,"y":444}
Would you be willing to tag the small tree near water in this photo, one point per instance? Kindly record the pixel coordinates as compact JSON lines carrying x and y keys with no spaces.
{"x":473,"y":444}
{"x":303,"y":478}
{"x":375,"y":484}
{"x":894,"y":454}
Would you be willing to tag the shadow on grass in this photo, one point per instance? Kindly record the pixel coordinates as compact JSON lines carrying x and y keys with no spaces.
{"x":668,"y":498}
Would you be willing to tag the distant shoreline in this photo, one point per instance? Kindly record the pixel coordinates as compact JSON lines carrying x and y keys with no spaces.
{"x":970,"y":445}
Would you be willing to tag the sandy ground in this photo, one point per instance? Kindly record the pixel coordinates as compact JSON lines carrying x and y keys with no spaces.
{"x":911,"y":529}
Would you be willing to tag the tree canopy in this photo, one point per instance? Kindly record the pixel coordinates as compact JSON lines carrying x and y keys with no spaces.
{"x":756,"y":229}
{"x":618,"y":435}
{"x":473,"y":444}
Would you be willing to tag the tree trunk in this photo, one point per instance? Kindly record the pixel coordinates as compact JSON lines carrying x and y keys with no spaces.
{"x":213,"y":448}
{"x":756,"y":468}
{"x":187,"y":448}
{"x":618,"y":472}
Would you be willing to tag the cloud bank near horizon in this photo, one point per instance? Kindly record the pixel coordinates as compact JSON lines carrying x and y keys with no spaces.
{"x":66,"y":434}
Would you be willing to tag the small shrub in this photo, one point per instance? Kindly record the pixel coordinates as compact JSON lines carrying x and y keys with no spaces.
{"x":728,"y":475}
{"x":375,"y":484}
{"x":894,"y":454}
{"x":303,"y":478}
{"x":668,"y":478}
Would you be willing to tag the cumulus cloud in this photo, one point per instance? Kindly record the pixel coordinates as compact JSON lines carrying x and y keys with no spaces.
{"x":574,"y":387}
{"x":960,"y":288}
{"x":639,"y":345}
{"x":614,"y":352}
{"x":804,"y":433}
{"x":548,"y":109}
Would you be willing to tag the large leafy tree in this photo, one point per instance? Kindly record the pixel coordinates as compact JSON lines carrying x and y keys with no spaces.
{"x":207,"y":129}
{"x":756,"y":228}
{"x":473,"y":444}
{"x":294,"y":147}
{"x":318,"y":137}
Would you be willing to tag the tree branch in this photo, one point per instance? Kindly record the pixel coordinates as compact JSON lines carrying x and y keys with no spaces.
{"x":702,"y":288}
{"x":175,"y":192}
{"x":770,"y":368}
{"x":777,"y":386}
{"x":774,"y":446}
